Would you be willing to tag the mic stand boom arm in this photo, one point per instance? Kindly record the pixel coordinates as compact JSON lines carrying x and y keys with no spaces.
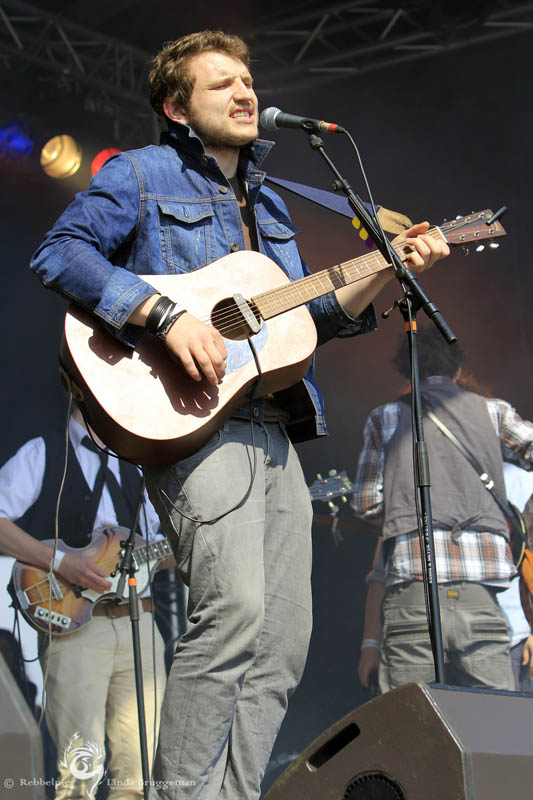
{"x":414,"y":299}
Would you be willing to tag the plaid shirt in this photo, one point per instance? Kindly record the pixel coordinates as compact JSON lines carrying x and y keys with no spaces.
{"x":481,"y":557}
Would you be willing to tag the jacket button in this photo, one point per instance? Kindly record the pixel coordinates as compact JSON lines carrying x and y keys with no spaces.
{"x":223,"y":189}
{"x":234,"y":247}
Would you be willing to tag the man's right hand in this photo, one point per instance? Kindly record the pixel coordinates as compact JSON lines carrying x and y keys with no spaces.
{"x":199,"y":347}
{"x":85,"y":572}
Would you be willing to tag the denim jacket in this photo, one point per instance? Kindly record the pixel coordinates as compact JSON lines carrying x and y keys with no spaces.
{"x":169,"y":209}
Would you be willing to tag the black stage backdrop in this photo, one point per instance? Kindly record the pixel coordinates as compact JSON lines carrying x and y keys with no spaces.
{"x":438,"y":137}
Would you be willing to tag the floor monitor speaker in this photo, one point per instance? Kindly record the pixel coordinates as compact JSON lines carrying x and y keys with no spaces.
{"x":420,"y":742}
{"x":21,"y":754}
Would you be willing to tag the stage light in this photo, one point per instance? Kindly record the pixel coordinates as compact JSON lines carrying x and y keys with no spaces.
{"x":61,"y":157}
{"x":101,"y":157}
{"x":16,"y":141}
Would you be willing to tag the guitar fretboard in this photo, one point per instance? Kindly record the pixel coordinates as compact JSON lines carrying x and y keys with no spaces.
{"x":284,"y":298}
{"x":152,"y":552}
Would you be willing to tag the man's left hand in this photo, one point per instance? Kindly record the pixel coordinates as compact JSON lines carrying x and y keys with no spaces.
{"x":422,"y":250}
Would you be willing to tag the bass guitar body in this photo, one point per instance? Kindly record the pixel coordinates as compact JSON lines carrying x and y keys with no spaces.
{"x":52,"y":603}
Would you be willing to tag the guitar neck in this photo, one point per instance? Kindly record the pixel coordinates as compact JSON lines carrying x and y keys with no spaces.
{"x":155,"y":551}
{"x":284,"y":298}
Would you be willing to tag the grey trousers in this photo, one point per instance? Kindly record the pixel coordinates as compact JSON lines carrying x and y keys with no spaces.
{"x":249,"y":612}
{"x":474,"y":632}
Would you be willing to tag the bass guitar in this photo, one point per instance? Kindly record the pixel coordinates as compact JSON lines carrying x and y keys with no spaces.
{"x":143,"y":404}
{"x":49,"y":602}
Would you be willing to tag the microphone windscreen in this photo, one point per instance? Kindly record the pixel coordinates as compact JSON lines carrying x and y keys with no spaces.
{"x":268,"y":118}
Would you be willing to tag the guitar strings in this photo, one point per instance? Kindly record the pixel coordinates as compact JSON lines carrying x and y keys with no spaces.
{"x":229,"y":320}
{"x":104,"y":563}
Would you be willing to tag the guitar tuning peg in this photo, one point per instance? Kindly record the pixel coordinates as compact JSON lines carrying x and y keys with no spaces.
{"x":465,"y":250}
{"x":319,"y":476}
{"x":344,"y":499}
{"x":459,"y":216}
{"x":494,"y":245}
{"x":480,"y":248}
{"x":332,"y":473}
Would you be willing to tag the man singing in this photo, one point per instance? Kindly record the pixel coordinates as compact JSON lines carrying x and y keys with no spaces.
{"x":238,"y":510}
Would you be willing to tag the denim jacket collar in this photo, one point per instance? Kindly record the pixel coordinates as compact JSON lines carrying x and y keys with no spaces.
{"x":251,"y":158}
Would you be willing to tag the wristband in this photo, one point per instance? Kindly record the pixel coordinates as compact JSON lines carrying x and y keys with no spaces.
{"x":162,"y":317}
{"x":166,"y":324}
{"x":58,"y":558}
{"x":156,"y":312}
{"x":369,"y":643}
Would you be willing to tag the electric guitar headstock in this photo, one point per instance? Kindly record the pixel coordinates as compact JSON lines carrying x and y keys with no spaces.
{"x":336,"y":484}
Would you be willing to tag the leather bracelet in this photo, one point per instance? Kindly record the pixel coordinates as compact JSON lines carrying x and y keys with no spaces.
{"x":157,"y":313}
{"x":163,"y":331}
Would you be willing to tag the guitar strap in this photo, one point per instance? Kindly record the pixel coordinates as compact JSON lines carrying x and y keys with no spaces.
{"x":334,"y":202}
{"x":391,"y":221}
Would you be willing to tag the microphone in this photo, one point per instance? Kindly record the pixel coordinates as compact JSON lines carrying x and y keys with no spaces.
{"x":272,"y":119}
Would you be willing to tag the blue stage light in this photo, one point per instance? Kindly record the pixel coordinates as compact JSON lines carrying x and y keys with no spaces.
{"x":16,"y":141}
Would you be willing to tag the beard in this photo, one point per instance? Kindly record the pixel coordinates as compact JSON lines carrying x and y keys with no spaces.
{"x":216,"y":135}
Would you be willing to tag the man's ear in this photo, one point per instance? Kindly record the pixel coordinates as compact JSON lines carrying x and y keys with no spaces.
{"x":175,"y":113}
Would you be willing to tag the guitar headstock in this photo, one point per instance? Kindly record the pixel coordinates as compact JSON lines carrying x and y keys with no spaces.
{"x":335,"y":485}
{"x":471,"y":228}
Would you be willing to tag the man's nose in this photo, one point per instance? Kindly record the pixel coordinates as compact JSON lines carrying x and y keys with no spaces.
{"x":242,"y":90}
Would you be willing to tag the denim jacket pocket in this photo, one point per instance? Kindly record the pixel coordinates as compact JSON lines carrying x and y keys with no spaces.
{"x":279,"y":244}
{"x":186,"y":233}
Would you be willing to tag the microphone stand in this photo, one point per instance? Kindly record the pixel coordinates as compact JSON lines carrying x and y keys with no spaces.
{"x":128,"y":567}
{"x":413,"y":300}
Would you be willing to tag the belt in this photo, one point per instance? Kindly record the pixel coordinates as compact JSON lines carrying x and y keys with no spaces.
{"x":109,"y":609}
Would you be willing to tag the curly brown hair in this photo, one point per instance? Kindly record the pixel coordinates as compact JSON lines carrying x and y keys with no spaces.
{"x":170,"y":77}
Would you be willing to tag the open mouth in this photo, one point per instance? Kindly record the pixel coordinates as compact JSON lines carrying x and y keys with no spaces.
{"x":242,"y":114}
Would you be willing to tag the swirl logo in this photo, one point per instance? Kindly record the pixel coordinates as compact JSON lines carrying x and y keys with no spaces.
{"x":85,"y":761}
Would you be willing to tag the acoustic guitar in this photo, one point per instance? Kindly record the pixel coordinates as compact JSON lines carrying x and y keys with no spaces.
{"x":142,"y":403}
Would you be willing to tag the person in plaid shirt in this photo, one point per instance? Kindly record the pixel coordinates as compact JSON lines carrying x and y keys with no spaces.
{"x":473,"y":557}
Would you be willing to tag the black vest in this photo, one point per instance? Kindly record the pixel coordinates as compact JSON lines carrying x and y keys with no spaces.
{"x":77,"y":511}
{"x":459,"y":500}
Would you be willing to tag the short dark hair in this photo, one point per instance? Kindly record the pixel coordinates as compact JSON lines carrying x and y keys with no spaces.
{"x":435,"y":355}
{"x":170,"y":77}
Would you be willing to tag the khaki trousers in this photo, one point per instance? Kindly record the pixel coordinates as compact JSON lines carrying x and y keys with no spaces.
{"x":91,"y":702}
{"x":474,"y":633}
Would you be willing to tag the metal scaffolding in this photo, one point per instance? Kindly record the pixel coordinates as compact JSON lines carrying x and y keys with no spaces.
{"x":333,"y":42}
{"x":318,"y":44}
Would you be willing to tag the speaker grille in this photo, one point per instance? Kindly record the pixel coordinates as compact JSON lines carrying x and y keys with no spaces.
{"x":373,"y":786}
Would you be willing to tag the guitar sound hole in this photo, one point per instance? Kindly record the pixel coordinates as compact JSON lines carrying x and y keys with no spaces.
{"x":227,"y":318}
